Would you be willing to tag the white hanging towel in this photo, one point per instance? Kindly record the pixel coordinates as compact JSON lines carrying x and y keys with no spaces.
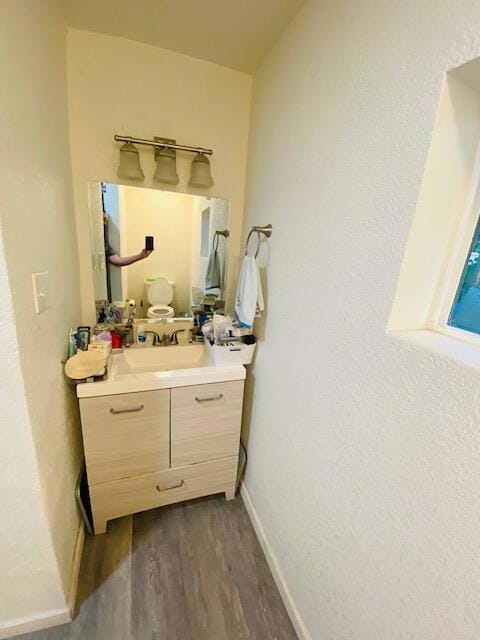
{"x":249,"y":294}
{"x":260,"y":300}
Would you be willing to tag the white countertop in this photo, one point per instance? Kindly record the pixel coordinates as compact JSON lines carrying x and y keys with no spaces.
{"x":125,"y":378}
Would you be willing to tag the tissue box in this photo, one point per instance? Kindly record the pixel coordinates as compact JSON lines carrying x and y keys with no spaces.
{"x":101,"y":346}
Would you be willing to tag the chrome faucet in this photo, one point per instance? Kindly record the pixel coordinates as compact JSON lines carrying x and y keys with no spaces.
{"x":166,"y":339}
{"x":156,"y":337}
{"x":174,"y":336}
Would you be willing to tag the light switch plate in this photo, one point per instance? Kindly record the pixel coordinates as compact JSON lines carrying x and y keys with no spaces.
{"x":41,"y":295}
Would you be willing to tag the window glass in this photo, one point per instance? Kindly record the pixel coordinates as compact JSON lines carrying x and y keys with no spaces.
{"x":465,"y":313}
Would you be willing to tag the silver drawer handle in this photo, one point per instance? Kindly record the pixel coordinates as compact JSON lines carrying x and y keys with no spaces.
{"x":131,"y":410}
{"x":219,"y":397}
{"x":175,"y":486}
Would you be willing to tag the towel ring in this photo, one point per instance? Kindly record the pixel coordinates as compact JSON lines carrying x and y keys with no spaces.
{"x":216,"y":237}
{"x":248,"y":240}
{"x":267,"y":232}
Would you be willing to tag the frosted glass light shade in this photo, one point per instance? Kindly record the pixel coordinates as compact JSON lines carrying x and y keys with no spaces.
{"x":129,"y":166}
{"x":166,"y":171}
{"x":201,"y":175}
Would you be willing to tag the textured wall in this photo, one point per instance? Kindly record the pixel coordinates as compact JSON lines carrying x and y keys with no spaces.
{"x":38,"y":228}
{"x":364,"y":453}
{"x":27,"y":556}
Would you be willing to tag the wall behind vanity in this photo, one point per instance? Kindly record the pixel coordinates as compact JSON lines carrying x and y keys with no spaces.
{"x":120,"y":86}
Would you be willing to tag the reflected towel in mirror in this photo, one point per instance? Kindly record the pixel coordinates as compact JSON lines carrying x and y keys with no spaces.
{"x":213,"y":276}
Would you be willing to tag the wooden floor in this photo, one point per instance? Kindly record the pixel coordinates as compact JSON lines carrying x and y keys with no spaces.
{"x":193,"y":571}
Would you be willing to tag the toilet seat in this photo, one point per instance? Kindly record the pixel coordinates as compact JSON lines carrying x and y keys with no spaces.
{"x":160,"y":311}
{"x":160,"y":294}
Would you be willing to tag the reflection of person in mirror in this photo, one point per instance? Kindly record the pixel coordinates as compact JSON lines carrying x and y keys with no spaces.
{"x":114,"y":258}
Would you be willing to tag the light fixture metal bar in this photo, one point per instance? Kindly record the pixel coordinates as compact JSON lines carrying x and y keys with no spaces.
{"x":167,"y":145}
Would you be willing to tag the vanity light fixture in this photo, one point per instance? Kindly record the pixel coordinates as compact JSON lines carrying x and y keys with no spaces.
{"x":201,"y":175}
{"x":165,"y":156}
{"x":129,"y":166}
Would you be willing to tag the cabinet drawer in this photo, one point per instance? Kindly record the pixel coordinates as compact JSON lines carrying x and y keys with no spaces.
{"x":122,"y":497}
{"x":126,"y":435}
{"x":206,"y":422}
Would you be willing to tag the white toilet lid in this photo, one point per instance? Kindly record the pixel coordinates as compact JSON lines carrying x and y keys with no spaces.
{"x":160,"y":292}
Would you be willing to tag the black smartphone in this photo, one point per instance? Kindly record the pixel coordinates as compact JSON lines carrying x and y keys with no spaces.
{"x":149,"y":243}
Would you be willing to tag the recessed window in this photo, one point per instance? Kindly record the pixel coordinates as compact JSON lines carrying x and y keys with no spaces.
{"x":465,"y":311}
{"x":439,"y":282}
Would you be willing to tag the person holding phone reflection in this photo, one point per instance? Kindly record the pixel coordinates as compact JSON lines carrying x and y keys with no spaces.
{"x":117,"y":260}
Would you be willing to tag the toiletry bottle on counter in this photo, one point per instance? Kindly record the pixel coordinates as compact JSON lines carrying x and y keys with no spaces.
{"x":116,"y":340}
{"x":141,"y":335}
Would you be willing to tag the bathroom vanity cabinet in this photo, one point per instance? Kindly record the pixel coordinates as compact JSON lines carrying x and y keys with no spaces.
{"x":152,"y":448}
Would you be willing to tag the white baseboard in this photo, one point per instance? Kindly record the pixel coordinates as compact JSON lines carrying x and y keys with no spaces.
{"x":45,"y":620}
{"x":77,"y":558}
{"x":297,"y":621}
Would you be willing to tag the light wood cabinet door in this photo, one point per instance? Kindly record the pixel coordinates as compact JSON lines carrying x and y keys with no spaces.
{"x":205,"y":422}
{"x":126,"y":435}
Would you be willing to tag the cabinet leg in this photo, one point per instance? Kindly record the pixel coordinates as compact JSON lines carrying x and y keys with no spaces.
{"x":230,"y":493}
{"x":99,"y":526}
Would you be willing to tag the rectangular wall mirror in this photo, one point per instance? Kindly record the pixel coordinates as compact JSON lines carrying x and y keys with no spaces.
{"x":190,"y":235}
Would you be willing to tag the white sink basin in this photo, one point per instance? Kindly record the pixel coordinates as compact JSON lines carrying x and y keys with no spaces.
{"x":144,"y":359}
{"x":147,"y":368}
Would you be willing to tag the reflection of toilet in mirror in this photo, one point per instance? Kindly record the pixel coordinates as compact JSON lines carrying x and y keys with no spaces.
{"x":160,"y":295}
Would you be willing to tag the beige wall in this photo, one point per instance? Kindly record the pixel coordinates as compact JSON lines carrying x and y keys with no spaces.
{"x":120,"y":86}
{"x":168,"y":217}
{"x":39,"y":435}
{"x":364,"y":457}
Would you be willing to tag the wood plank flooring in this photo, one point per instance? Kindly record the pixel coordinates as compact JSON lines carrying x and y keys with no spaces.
{"x":191,"y":571}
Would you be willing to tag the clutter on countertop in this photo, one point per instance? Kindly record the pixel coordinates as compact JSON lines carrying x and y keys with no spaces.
{"x":238,"y":332}
{"x":109,"y":313}
{"x":230,"y":352}
{"x":116,"y":340}
{"x":206,"y":302}
{"x":117,"y":319}
{"x":83,"y":338}
{"x":72,"y":343}
{"x":132,"y":308}
{"x":223,"y":347}
{"x":101,"y":343}
{"x":88,"y":356}
{"x":85,"y":364}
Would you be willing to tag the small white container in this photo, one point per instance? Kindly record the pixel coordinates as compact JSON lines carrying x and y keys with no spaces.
{"x":236,"y":353}
{"x":141,"y":335}
{"x":101,"y":346}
